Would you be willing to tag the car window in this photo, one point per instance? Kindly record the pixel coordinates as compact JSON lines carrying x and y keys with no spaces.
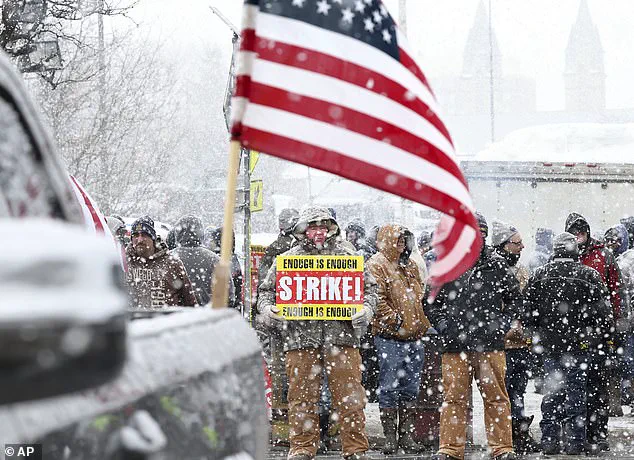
{"x":25,"y":189}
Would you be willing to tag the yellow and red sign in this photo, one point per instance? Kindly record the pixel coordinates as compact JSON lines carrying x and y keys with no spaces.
{"x":319,"y":287}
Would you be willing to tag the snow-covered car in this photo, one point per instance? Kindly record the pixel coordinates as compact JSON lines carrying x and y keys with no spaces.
{"x":55,"y":337}
{"x":192,"y":385}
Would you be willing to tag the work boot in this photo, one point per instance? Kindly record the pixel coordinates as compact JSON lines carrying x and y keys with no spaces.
{"x":406,"y":426}
{"x":389,"y":418}
{"x":523,"y":442}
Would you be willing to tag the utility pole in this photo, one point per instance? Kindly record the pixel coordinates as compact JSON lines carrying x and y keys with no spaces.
{"x":402,"y":16}
{"x":491,"y":76}
{"x":101,"y":56}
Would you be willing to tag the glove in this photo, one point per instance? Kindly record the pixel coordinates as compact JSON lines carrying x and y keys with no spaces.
{"x":361,"y":321}
{"x":272,"y":317}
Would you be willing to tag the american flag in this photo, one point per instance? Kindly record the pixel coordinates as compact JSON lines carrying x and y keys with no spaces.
{"x":331,"y":84}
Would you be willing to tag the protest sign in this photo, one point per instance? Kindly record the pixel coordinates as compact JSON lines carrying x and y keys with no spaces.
{"x":319,"y":287}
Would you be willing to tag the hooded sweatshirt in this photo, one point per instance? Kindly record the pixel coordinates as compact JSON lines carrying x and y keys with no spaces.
{"x":199,"y":262}
{"x":593,"y":254}
{"x":401,"y":289}
{"x":158,"y":281}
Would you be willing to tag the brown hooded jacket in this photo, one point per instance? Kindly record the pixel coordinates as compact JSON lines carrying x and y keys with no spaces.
{"x":401,"y":289}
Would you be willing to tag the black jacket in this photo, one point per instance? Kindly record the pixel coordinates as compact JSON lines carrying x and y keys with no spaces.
{"x":568,"y":308}
{"x":474,"y":313}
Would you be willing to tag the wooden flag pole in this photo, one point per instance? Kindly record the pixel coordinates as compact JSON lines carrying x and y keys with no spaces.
{"x":222,"y":273}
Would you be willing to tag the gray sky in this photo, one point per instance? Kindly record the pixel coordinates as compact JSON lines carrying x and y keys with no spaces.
{"x":532,"y":36}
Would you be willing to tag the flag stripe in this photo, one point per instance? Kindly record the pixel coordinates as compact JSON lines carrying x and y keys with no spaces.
{"x":362,"y":77}
{"x":338,"y":115}
{"x":461,"y":252}
{"x":339,"y":92}
{"x":297,"y":33}
{"x":354,"y":145}
{"x":352,"y":168}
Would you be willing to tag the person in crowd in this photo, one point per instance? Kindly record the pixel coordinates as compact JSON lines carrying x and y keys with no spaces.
{"x":398,"y":327}
{"x":155,"y":277}
{"x":568,"y":307}
{"x":273,"y":342}
{"x":371,"y":239}
{"x":199,"y":262}
{"x":213,"y":242}
{"x":170,"y":241}
{"x":430,"y":255}
{"x":602,"y":370}
{"x":543,"y":249}
{"x":355,"y":234}
{"x":628,"y":223}
{"x":616,"y":239}
{"x":424,"y":242}
{"x":473,"y":315}
{"x":313,"y":345}
{"x":507,"y":243}
{"x":543,"y":253}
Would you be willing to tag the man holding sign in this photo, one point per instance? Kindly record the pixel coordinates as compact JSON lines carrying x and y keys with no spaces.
{"x":322,"y":299}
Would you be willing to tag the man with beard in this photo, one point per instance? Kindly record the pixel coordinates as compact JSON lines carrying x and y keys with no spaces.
{"x":314,"y":345}
{"x":507,"y":243}
{"x":155,"y":277}
{"x":595,"y":255}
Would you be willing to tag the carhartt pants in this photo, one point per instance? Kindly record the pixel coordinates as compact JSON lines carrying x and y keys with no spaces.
{"x":343,"y":367}
{"x":458,"y":370}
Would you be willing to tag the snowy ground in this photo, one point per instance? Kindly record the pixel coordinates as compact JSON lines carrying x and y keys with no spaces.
{"x":621,"y":433}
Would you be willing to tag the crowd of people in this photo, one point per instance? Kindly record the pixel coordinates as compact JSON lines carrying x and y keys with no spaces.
{"x":562,"y":319}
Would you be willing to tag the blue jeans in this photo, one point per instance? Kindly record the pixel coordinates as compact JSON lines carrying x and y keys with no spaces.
{"x":518,"y":362}
{"x":400,"y":367}
{"x":564,"y":403}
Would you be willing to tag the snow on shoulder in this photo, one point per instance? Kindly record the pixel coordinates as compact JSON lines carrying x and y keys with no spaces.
{"x":570,"y":142}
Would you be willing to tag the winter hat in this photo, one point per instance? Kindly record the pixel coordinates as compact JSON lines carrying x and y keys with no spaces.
{"x":145,"y":225}
{"x":287,"y":219}
{"x":565,"y":245}
{"x":356,"y":225}
{"x":189,"y":231}
{"x":482,"y":224}
{"x":333,"y":213}
{"x":502,"y":232}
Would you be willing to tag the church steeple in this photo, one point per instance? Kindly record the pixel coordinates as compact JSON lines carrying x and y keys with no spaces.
{"x":585,"y":70}
{"x":477,"y":52}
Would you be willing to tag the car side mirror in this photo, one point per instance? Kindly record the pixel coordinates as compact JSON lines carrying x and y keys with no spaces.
{"x":63,"y":311}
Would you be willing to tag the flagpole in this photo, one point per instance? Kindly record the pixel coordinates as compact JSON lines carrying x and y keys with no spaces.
{"x":222,"y":273}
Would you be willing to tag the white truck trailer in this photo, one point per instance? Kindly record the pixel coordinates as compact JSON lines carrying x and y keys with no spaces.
{"x":530,"y":195}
